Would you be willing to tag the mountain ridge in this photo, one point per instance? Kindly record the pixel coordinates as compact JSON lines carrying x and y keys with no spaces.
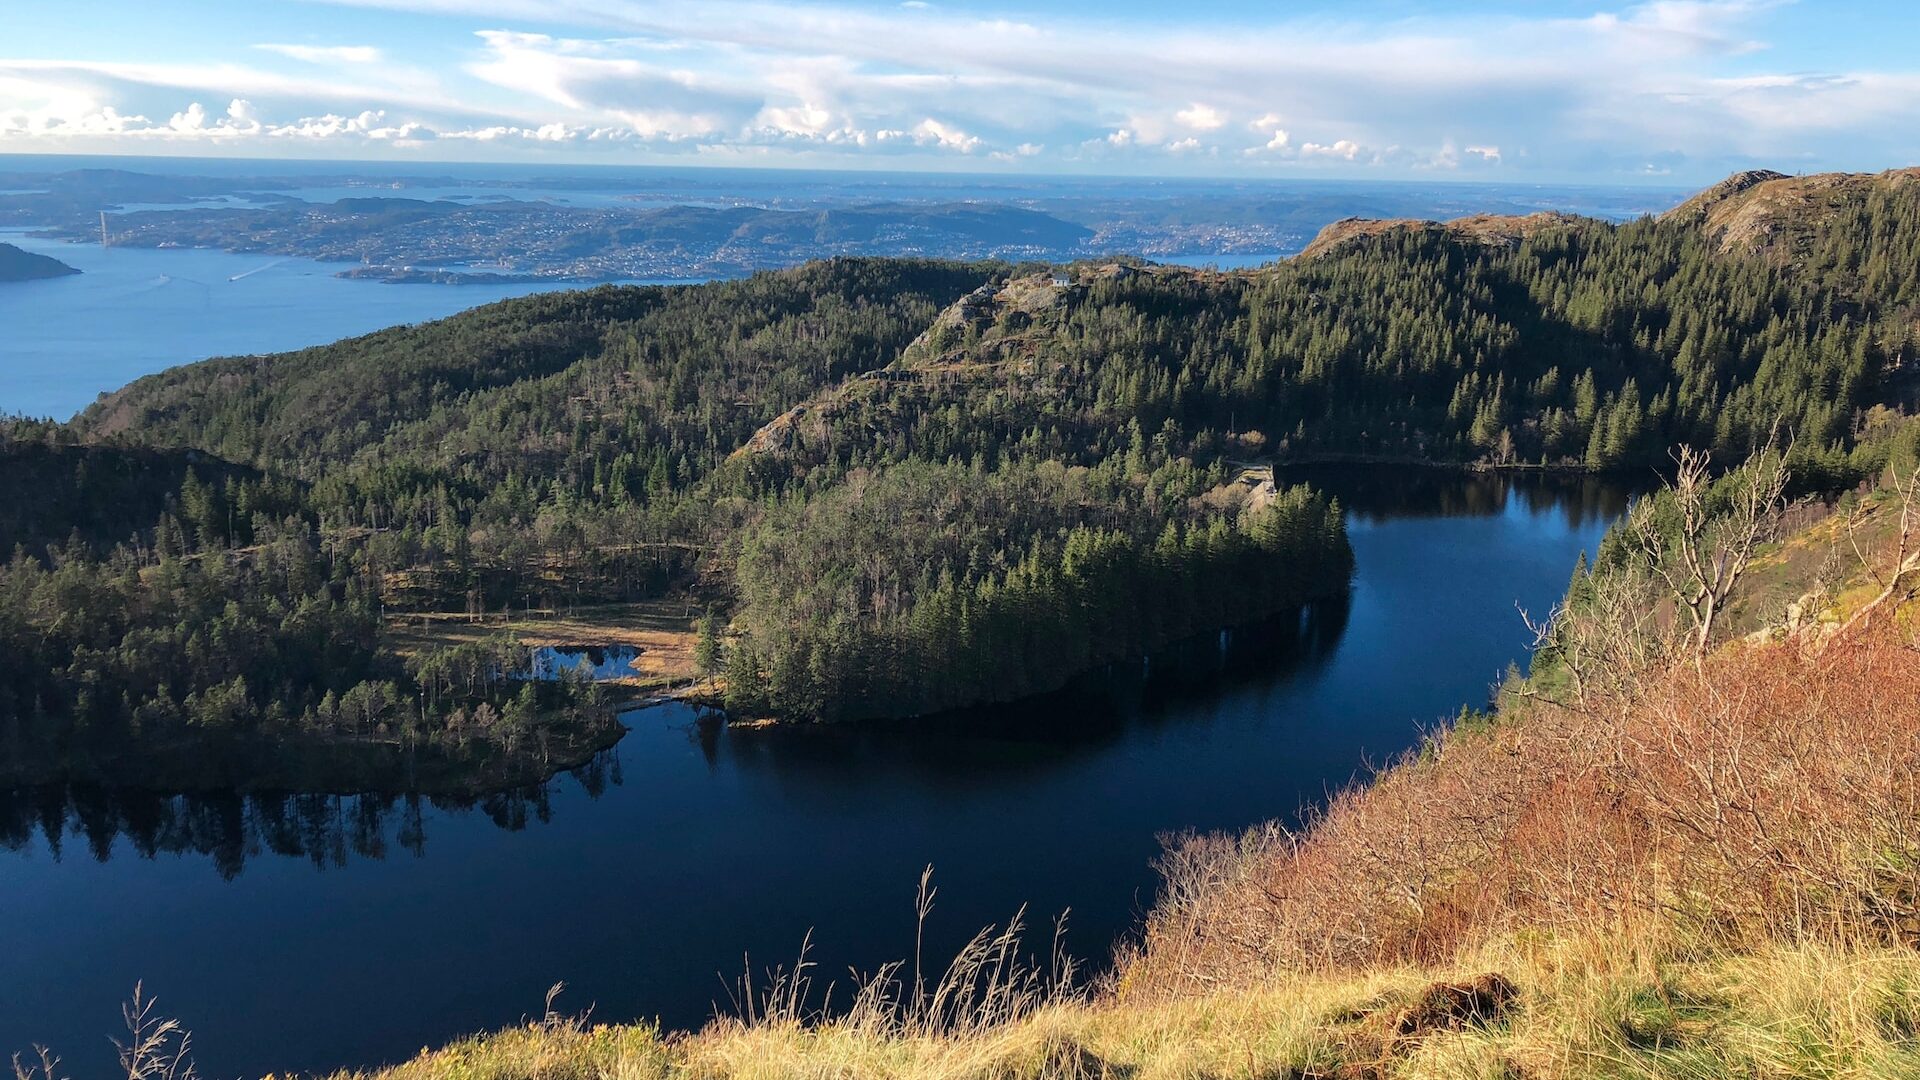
{"x":1753,"y":212}
{"x":1497,"y":230}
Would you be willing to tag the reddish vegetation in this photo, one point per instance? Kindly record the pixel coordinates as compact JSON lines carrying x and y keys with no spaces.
{"x":1769,"y":793}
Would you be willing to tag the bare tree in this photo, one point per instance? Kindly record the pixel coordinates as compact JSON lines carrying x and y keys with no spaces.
{"x":1901,"y":579}
{"x":1703,"y":560}
{"x":1607,"y":637}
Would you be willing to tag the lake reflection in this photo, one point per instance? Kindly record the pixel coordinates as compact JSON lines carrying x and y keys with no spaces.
{"x":311,"y":932}
{"x":599,"y":663}
{"x":229,"y":828}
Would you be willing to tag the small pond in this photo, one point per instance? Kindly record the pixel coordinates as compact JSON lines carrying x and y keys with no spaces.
{"x":600,"y":663}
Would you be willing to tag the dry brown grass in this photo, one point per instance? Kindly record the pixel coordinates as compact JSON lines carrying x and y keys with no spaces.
{"x":1769,"y":795}
{"x":1589,"y":1006}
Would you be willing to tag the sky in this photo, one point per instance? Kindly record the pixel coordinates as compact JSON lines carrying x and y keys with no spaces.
{"x":1668,"y":91}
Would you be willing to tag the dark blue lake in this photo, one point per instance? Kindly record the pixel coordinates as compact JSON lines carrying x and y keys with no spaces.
{"x":310,"y":932}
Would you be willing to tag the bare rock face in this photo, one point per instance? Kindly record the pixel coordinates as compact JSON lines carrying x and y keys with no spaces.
{"x":992,"y":333}
{"x":778,"y":435}
{"x":1493,"y":230}
{"x":1013,"y":304}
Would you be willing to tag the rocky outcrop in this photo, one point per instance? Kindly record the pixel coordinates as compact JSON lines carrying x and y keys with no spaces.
{"x":1773,"y":215}
{"x":1698,"y":207}
{"x":993,"y":334}
{"x":1493,"y":230}
{"x":997,"y":315}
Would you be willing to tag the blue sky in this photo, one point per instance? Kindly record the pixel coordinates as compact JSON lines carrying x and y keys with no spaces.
{"x":1674,"y":91}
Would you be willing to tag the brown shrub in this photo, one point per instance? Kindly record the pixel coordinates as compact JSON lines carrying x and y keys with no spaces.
{"x":1768,"y":793}
{"x":1450,"y":1006}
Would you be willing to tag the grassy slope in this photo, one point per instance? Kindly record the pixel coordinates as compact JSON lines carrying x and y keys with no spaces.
{"x":1589,"y":1006}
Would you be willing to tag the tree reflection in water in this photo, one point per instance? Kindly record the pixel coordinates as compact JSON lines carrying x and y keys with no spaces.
{"x":230,"y":827}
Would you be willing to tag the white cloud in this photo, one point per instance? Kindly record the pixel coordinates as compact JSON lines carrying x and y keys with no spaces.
{"x":945,"y":136}
{"x":327,"y":54}
{"x":546,"y":133}
{"x":608,"y":84}
{"x":1345,"y":149}
{"x":1683,"y":27}
{"x":1201,"y":117}
{"x":1278,"y":139}
{"x":331,"y":126}
{"x":104,"y":120}
{"x":192,"y":120}
{"x":804,"y":119}
{"x":1682,"y":83}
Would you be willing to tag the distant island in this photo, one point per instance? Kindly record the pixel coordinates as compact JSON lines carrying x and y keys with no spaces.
{"x":19,"y":265}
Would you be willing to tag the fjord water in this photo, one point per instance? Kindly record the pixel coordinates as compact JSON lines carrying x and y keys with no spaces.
{"x":135,"y":311}
{"x":311,"y":932}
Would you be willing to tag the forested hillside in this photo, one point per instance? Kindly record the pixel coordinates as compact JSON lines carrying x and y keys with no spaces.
{"x":898,"y":486}
{"x":584,"y":448}
{"x":922,"y":587}
{"x":53,"y":492}
{"x":1544,"y":340}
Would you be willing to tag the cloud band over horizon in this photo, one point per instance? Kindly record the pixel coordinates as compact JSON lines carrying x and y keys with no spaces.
{"x":1681,"y":88}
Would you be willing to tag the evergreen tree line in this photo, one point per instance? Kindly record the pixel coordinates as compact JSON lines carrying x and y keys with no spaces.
{"x":1585,"y":346}
{"x":925,"y":587}
{"x":189,"y":642}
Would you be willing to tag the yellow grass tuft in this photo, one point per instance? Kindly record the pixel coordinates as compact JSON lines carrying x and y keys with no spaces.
{"x":1591,"y":1005}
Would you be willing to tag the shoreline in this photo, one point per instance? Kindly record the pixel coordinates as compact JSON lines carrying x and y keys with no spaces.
{"x":340,"y":769}
{"x":758,"y":723}
{"x":1334,"y":457}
